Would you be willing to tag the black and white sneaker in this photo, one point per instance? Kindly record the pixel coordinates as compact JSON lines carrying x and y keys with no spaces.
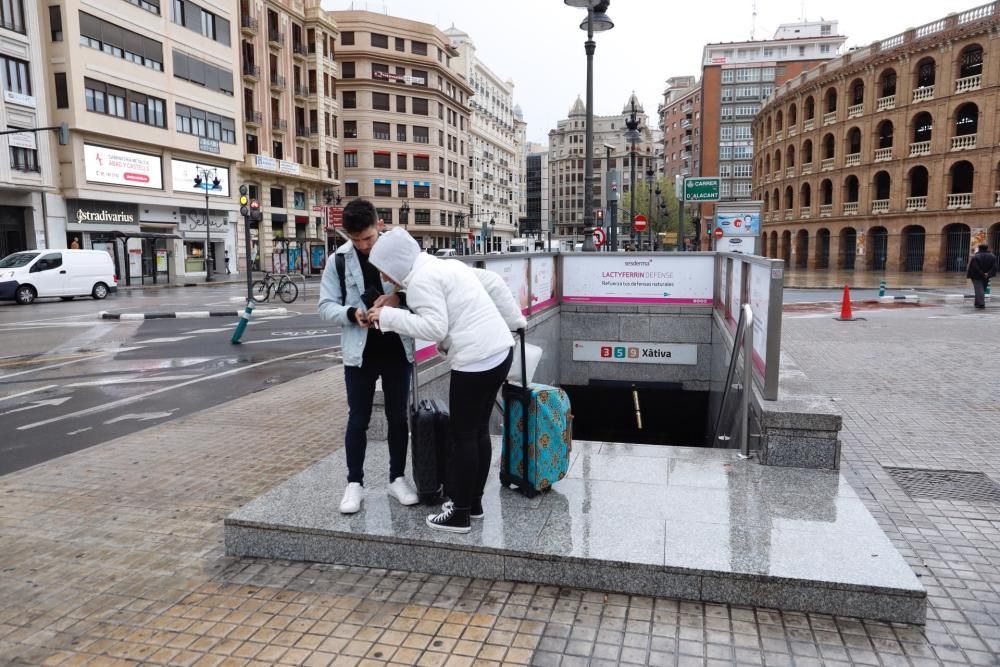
{"x":475,"y":512}
{"x":450,"y":519}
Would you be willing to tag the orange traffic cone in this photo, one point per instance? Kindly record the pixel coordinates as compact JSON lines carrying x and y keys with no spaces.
{"x":845,"y":307}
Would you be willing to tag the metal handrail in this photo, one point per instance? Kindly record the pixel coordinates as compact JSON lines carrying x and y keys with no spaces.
{"x":743,"y":339}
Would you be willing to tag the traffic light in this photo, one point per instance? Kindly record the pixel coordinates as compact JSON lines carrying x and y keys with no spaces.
{"x":244,"y":211}
{"x":63,"y":134}
{"x":256,"y":215}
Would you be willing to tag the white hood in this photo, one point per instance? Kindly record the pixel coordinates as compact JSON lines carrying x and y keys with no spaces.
{"x":394,"y":254}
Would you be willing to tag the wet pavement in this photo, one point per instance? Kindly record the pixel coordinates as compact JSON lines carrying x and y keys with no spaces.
{"x":895,"y":280}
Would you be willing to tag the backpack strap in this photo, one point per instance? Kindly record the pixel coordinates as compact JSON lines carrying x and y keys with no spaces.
{"x":340,"y":264}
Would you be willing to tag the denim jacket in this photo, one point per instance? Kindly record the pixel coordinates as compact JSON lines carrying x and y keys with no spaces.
{"x":352,"y":337}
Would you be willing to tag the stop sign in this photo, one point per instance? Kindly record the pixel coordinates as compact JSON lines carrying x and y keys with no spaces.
{"x":717,"y":233}
{"x":639,"y":223}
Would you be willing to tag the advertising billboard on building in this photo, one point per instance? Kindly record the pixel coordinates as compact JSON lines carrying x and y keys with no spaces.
{"x":118,"y":167}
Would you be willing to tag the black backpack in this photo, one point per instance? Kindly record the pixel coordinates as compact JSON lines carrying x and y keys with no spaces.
{"x":340,"y":263}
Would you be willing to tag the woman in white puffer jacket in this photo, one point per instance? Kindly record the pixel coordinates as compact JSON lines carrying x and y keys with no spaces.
{"x":469,"y":313}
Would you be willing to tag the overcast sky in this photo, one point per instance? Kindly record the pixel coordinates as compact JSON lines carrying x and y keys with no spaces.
{"x":539,"y":45}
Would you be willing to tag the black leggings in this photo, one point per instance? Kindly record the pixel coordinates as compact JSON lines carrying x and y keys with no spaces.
{"x":471,"y":397}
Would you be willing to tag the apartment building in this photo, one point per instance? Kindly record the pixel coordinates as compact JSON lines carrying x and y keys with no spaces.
{"x":680,"y":122}
{"x":611,"y":151}
{"x":27,"y":176}
{"x":536,"y":222}
{"x":493,"y":180}
{"x":148,"y":90}
{"x":405,"y":125}
{"x":736,"y":78}
{"x":520,"y":168}
{"x":290,"y":110}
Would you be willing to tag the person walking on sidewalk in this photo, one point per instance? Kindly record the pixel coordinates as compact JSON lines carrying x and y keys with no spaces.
{"x":982,"y":267}
{"x":350,"y":286}
{"x":469,"y":313}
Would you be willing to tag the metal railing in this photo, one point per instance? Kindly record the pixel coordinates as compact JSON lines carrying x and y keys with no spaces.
{"x":743,"y":341}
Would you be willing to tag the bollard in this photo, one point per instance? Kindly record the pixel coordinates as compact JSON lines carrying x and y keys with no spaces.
{"x":242,"y":325}
{"x":881,"y":288}
{"x":986,"y":292}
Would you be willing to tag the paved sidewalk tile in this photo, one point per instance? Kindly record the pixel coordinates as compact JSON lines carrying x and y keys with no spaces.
{"x":113,"y":555}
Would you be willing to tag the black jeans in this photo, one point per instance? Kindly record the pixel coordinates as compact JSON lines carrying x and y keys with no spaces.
{"x":360,"y":383}
{"x":470,"y":401}
{"x":979,"y":287}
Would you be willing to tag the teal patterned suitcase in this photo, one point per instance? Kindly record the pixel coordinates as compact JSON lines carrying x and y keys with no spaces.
{"x":536,"y":450}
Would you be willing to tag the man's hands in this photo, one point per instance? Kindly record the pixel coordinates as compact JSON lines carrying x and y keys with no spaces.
{"x":390,"y":300}
{"x":374,"y":314}
{"x":361,"y":318}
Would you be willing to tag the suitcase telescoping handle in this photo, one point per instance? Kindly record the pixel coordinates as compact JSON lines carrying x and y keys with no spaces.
{"x":413,"y":379}
{"x":524,"y":361}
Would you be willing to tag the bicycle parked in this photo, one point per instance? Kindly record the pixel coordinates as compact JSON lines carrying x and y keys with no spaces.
{"x":275,"y":283}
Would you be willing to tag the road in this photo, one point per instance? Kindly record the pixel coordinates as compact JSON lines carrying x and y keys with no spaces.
{"x":69,"y":380}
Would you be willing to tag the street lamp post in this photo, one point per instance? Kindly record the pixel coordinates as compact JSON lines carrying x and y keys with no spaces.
{"x":649,"y":194}
{"x":632,"y":136}
{"x":597,"y":21}
{"x":404,"y":214}
{"x":207,"y":179}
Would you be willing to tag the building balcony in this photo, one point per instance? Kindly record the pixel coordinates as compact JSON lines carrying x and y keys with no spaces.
{"x":964,"y":142}
{"x":277,"y":81}
{"x":968,"y":83}
{"x":883,"y":154}
{"x":789,"y":172}
{"x":792,"y":131}
{"x":916,"y":203}
{"x":996,"y":199}
{"x":301,"y":91}
{"x":251,"y":117}
{"x":850,"y":208}
{"x":805,"y":213}
{"x":687,"y":108}
{"x":808,"y":124}
{"x":767,"y":178}
{"x":885,"y":103}
{"x":830,"y":118}
{"x":251,"y":71}
{"x":685,"y":123}
{"x":275,"y":38}
{"x":827,"y":164}
{"x":852,"y":159}
{"x":855,"y":110}
{"x":923,"y":94}
{"x":248,"y":25}
{"x":789,"y":214}
{"x":920,"y":148}
{"x":825,"y":210}
{"x":960,"y":200}
{"x":807,"y":168}
{"x":778,"y":135}
{"x":880,"y":206}
{"x":299,"y":50}
{"x":279,"y":125}
{"x":686,"y":140}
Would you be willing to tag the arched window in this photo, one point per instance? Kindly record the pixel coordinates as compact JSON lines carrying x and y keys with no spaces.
{"x":852,"y":189}
{"x":925,"y":73}
{"x":805,"y":196}
{"x":970,"y":62}
{"x":767,"y":163}
{"x":776,"y":198}
{"x":826,"y":192}
{"x":923,"y":125}
{"x":789,"y":198}
{"x":779,"y":121}
{"x":962,"y":176}
{"x":767,"y":201}
{"x":809,"y":108}
{"x":887,"y":83}
{"x":853,"y":141}
{"x":793,"y":116}
{"x":857,"y":91}
{"x":790,"y":157}
{"x":966,"y":120}
{"x":777,"y":161}
{"x":883,"y":185}
{"x":831,"y":100}
{"x":885,"y":134}
{"x":807,"y":151}
{"x":919,"y":181}
{"x":828,"y":148}
{"x":767,"y":127}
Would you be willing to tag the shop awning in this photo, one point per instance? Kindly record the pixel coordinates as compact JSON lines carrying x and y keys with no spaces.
{"x":144,"y":235}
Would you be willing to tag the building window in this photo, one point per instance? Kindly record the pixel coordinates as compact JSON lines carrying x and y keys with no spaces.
{"x":277,"y":198}
{"x":384,"y":214}
{"x":380,"y":71}
{"x":400,"y":44}
{"x":419,"y":105}
{"x":350,"y":99}
{"x":421,"y":163}
{"x":116,"y":41}
{"x":12,"y":16}
{"x":351,"y":189}
{"x":62,"y":92}
{"x":418,"y":77}
{"x":350,"y":129}
{"x":351,"y":159}
{"x":382,"y":160}
{"x":383,"y":190}
{"x":420,"y":134}
{"x":401,"y":161}
{"x":347,"y":70}
{"x":400,"y":104}
{"x":347,"y":39}
{"x":422,"y":191}
{"x":380,"y":101}
{"x":422,"y":216}
{"x":55,"y":22}
{"x":380,"y":131}
{"x":16,"y":75}
{"x":400,"y":133}
{"x":189,"y":68}
{"x":23,"y":159}
{"x":380,"y":41}
{"x":401,"y":189}
{"x":204,"y":124}
{"x":193,"y":17}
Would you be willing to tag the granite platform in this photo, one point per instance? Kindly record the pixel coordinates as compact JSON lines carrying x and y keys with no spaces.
{"x":679,"y":522}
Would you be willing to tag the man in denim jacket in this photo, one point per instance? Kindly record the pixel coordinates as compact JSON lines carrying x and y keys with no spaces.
{"x":368,"y":354}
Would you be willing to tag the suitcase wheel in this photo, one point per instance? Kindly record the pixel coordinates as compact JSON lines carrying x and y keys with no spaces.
{"x":527,"y":492}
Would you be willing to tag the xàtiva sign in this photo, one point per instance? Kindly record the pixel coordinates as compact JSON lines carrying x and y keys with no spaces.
{"x":635,"y":353}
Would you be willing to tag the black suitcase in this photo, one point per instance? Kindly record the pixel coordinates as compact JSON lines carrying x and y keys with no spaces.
{"x":430,"y":439}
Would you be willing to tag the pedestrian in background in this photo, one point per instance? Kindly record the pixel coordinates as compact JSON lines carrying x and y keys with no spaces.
{"x":368,"y":354}
{"x":469,"y":313}
{"x":982,"y":267}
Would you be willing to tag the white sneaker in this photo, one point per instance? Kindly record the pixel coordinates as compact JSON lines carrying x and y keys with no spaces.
{"x":401,"y":490}
{"x":353,"y":495}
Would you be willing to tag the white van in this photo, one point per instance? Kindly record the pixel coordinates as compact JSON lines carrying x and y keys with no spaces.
{"x":31,"y":274}
{"x":445,"y":252}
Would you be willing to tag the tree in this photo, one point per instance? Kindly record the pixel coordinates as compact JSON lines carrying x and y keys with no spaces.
{"x":664,"y":211}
